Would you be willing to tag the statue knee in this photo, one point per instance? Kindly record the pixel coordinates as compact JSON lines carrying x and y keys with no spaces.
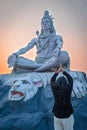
{"x":67,"y":64}
{"x":64,"y":59}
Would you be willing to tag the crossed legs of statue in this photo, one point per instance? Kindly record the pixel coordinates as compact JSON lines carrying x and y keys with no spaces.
{"x":55,"y":61}
{"x":25,"y":65}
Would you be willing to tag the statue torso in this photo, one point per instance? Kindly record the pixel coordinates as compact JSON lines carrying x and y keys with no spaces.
{"x":46,"y":45}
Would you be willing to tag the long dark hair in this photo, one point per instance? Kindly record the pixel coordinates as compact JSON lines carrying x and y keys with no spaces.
{"x":61,"y":82}
{"x":62,"y":86}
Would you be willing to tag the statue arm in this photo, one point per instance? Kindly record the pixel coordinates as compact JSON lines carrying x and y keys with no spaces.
{"x":12,"y":58}
{"x":59,"y":44}
{"x":29,"y":46}
{"x":59,"y":41}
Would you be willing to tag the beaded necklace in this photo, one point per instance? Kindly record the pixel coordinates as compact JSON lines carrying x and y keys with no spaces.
{"x":46,"y":42}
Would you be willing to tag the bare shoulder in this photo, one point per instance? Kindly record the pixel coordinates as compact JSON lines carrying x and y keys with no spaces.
{"x":34,"y":40}
{"x":57,"y":36}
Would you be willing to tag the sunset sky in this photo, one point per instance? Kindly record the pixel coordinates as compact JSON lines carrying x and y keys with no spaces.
{"x":19,"y":20}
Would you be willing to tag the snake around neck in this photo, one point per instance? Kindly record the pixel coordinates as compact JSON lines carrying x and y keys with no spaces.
{"x":46,"y":40}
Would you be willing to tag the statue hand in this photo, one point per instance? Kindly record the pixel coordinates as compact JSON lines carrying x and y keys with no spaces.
{"x":56,"y":52}
{"x":11,"y":60}
{"x":79,"y":89}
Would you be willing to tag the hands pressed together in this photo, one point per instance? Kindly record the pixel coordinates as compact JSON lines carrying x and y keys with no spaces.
{"x":59,"y":69}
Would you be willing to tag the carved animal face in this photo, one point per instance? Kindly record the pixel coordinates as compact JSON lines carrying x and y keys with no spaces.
{"x":23,"y":89}
{"x":25,"y":86}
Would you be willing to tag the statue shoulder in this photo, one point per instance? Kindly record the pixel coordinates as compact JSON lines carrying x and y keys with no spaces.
{"x":34,"y":40}
{"x":59,"y":37}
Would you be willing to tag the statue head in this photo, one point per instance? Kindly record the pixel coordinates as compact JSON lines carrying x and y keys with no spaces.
{"x":50,"y":20}
{"x":23,"y":87}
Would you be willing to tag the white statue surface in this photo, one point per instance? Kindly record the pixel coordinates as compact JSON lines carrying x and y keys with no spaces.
{"x":49,"y":57}
{"x":25,"y":86}
{"x":26,"y":92}
{"x":48,"y":45}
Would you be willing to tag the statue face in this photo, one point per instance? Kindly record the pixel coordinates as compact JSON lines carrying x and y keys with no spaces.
{"x":23,"y":89}
{"x":25,"y":86}
{"x":45,"y":24}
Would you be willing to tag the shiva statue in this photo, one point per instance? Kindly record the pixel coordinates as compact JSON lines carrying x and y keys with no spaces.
{"x":49,"y":54}
{"x":29,"y":94}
